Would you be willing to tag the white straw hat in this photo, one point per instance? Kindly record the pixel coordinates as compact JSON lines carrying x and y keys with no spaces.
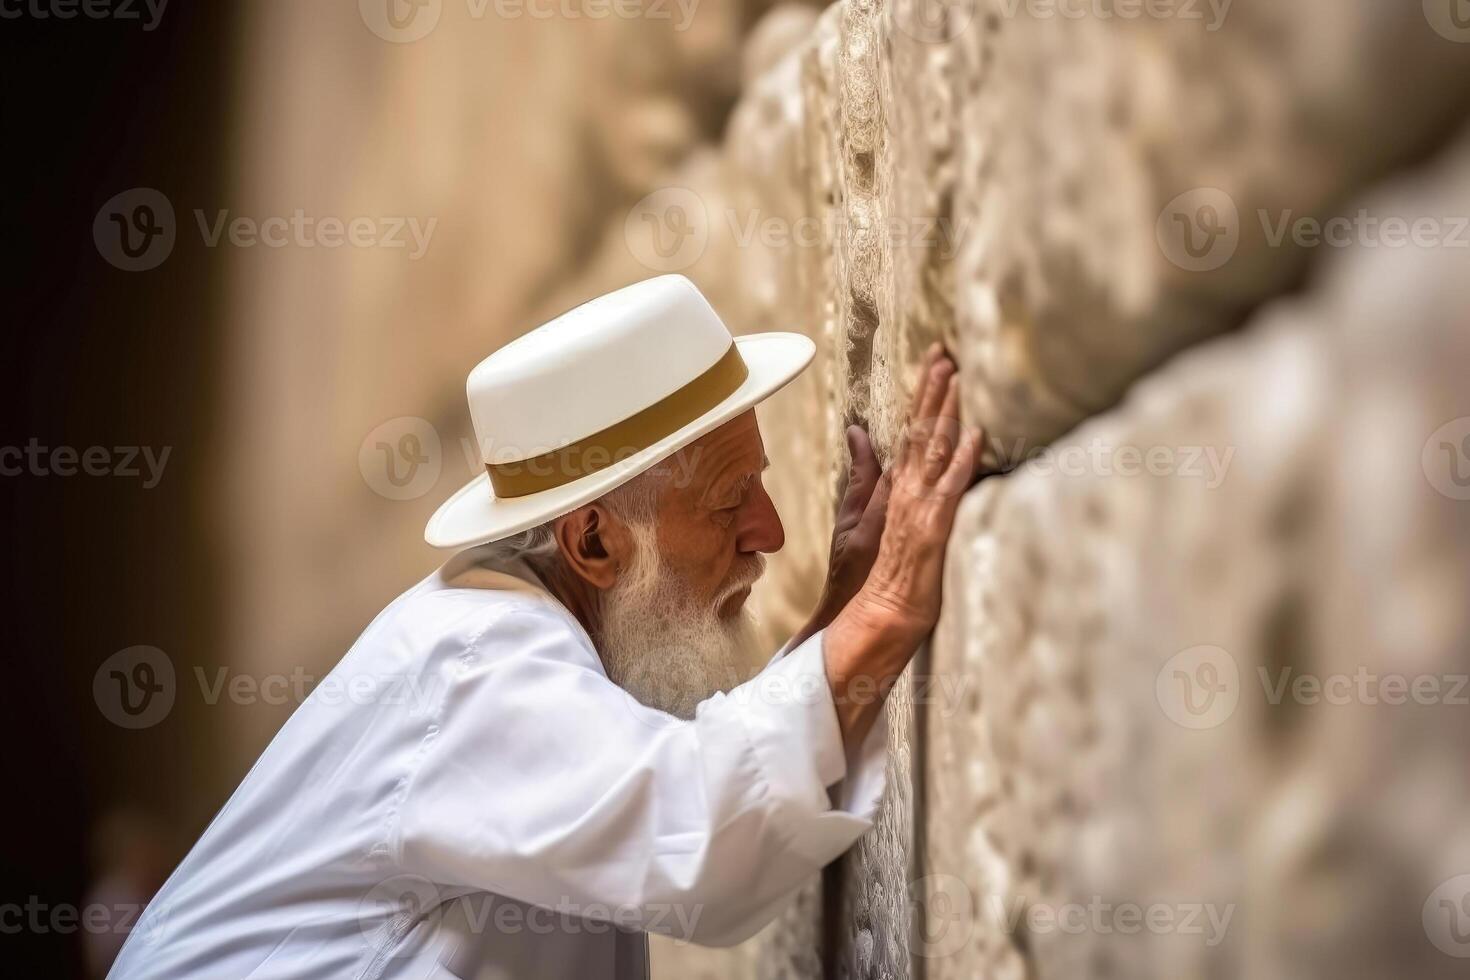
{"x":582,"y":404}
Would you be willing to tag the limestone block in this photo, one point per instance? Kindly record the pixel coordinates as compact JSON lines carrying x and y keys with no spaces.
{"x":997,"y":178}
{"x":1079,"y":135}
{"x":870,"y":901}
{"x":1126,"y":635}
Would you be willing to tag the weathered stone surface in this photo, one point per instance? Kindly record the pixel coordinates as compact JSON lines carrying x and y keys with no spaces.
{"x":1018,"y":185}
{"x":997,"y":178}
{"x":1083,"y":771}
{"x":1077,"y":135}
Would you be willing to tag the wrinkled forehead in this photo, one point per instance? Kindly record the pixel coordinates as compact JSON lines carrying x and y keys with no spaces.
{"x":732,"y":453}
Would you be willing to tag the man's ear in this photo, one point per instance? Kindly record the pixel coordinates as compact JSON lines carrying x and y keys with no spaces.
{"x":594,"y":544}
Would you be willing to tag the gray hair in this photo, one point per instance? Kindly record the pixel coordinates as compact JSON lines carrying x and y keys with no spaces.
{"x":635,"y":502}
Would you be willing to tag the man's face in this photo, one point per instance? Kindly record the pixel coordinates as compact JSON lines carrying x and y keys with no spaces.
{"x":674,"y":627}
{"x":716,"y":519}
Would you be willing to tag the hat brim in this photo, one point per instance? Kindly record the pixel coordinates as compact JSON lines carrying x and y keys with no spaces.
{"x":474,"y":515}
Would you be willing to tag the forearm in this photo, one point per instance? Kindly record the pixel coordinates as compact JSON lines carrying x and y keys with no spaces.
{"x":865,"y":651}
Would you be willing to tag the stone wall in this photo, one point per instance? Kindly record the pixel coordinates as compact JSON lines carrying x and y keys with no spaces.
{"x":1225,"y":458}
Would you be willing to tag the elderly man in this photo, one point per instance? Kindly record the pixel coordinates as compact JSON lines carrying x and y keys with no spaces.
{"x":543,"y":751}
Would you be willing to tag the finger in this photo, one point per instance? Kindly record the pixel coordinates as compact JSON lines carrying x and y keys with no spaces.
{"x":945,"y":436}
{"x":926,"y":365}
{"x":875,"y":516}
{"x":941,"y":378}
{"x":963,"y":466}
{"x":862,"y":476}
{"x":921,"y":425}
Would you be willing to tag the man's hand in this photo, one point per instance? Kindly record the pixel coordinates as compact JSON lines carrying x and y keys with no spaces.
{"x":856,"y":533}
{"x":876,"y":634}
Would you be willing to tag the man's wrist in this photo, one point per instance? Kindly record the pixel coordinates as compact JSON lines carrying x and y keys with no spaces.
{"x":865,"y":651}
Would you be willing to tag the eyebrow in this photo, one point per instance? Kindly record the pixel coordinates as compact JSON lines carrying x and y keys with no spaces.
{"x":738,"y":486}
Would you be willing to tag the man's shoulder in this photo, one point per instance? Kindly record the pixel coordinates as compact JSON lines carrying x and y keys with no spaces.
{"x":481,"y":610}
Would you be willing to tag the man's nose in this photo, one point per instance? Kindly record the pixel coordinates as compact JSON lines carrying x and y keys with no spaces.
{"x":760,"y":528}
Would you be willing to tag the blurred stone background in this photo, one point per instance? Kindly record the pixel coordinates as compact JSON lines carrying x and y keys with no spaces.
{"x":1227,"y":453}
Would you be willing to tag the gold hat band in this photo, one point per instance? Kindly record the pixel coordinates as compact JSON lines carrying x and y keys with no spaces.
{"x":621,"y":439}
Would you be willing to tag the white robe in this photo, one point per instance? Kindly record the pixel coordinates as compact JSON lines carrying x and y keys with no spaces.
{"x":468,"y":795}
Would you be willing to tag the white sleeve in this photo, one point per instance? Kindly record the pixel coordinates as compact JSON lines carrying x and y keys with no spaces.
{"x":547,"y":783}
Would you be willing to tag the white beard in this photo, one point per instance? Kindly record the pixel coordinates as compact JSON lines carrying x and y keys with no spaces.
{"x":662,"y":645}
